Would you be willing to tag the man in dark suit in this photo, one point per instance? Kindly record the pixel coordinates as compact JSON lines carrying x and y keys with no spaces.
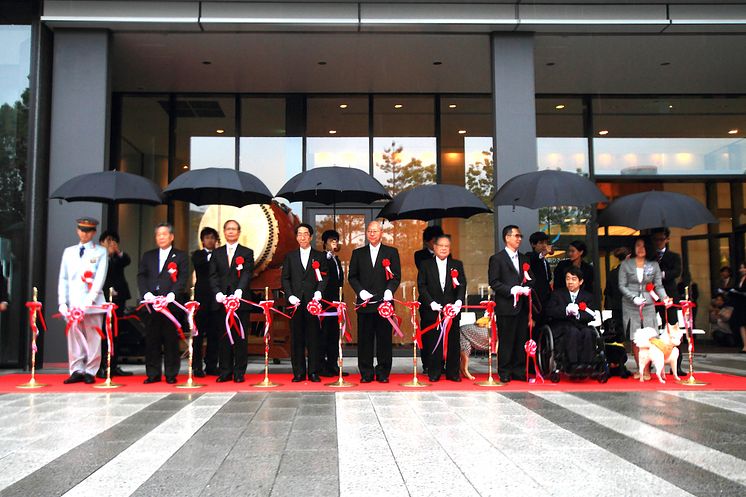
{"x":570,"y":324}
{"x":207,"y":318}
{"x":507,"y":280}
{"x":163,"y":272}
{"x":435,"y":282}
{"x":670,"y":264}
{"x":329,"y":325}
{"x":3,"y":290}
{"x":429,"y":235}
{"x":304,"y":279}
{"x":118,"y":260}
{"x":232,"y":265}
{"x":540,"y":268}
{"x":374,"y":275}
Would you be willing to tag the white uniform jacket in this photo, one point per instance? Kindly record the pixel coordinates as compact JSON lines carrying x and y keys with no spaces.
{"x":73,"y":289}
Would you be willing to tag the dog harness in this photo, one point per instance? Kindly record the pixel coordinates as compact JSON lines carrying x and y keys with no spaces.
{"x":664,"y":347}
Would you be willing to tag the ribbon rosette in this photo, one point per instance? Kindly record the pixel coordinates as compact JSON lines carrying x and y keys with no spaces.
{"x":449,"y":312}
{"x":314,"y":308}
{"x":530,"y":348}
{"x":173,"y":271}
{"x":231,"y":304}
{"x":160,"y":304}
{"x":239,"y":265}
{"x":454,"y":277}
{"x":583,"y":307}
{"x":650,"y":288}
{"x":315,"y":265}
{"x":88,"y":279}
{"x":387,"y":267}
{"x":386,"y":310}
{"x":34,"y":310}
{"x":526,"y":267}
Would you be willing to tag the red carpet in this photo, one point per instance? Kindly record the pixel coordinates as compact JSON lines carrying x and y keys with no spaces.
{"x":716,"y":381}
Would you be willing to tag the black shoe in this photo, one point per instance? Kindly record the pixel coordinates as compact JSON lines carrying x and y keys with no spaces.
{"x":424,"y":370}
{"x":88,"y":379}
{"x":198,"y":373}
{"x":518,"y":377}
{"x":382,"y":380}
{"x":366,"y":379}
{"x":170,"y":380}
{"x":239,"y":379}
{"x":453,"y":378}
{"x":434,"y":379}
{"x":504,"y":379}
{"x":101,"y":373}
{"x":117,"y":371}
{"x":76,"y":377}
{"x":152,"y":379}
{"x":224,"y":377}
{"x":314,"y":377}
{"x":298,"y":378}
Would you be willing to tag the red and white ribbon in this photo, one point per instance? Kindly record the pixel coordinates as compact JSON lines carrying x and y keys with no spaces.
{"x":192,"y":307}
{"x":159,"y":304}
{"x":173,"y":271}
{"x":88,"y":279}
{"x":231,"y":304}
{"x":34,"y":311}
{"x":314,"y":308}
{"x":650,"y":288}
{"x":315,"y":265}
{"x":446,"y":320}
{"x":239,"y":265}
{"x":387,"y":267}
{"x":526,"y":268}
{"x":583,"y":307}
{"x":386,"y":310}
{"x":454,"y":278}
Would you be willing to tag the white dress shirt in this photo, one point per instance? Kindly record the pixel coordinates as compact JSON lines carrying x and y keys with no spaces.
{"x":573,"y":296}
{"x":305,"y":253}
{"x":162,"y":256}
{"x":374,"y":253}
{"x":513,"y":257}
{"x":442,"y":271}
{"x":231,"y":251}
{"x":209,"y":254}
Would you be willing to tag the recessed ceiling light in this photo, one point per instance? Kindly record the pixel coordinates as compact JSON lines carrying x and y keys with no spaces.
{"x":185,"y":166}
{"x":437,"y":63}
{"x":670,"y":106}
{"x":452,"y":106}
{"x":733,"y":132}
{"x":342,"y":106}
{"x":206,"y":62}
{"x":321,"y":62}
{"x":550,"y":64}
{"x":665,"y":63}
{"x":332,"y":131}
{"x":398,"y":106}
{"x":603,"y":132}
{"x":559,"y":107}
{"x":220,"y":131}
{"x":462,"y":132}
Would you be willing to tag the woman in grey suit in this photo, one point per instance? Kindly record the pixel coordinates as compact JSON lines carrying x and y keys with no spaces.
{"x":635,"y":274}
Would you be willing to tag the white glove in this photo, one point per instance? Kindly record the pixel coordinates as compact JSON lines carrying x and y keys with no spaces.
{"x":87,"y":302}
{"x":238,"y":293}
{"x":148,"y":296}
{"x":457,"y":306}
{"x":525,"y":290}
{"x":516,"y":290}
{"x":668,"y":301}
{"x":388,"y":296}
{"x":170,"y":297}
{"x":365,"y":295}
{"x":219,"y":297}
{"x":317,"y":295}
{"x":436,"y":306}
{"x":638,"y":300}
{"x":572,"y":309}
{"x":293,"y":300}
{"x":63,"y":309}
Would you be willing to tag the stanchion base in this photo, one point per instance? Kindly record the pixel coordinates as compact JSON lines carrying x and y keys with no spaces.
{"x":692,"y":382}
{"x":108,"y":384}
{"x":340,"y":383}
{"x":415,"y":383}
{"x":190,"y":384}
{"x":266,"y":383}
{"x":32,"y":384}
{"x":489,"y":382}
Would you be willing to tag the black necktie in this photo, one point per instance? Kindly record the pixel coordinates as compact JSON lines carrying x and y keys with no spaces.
{"x":82,"y":249}
{"x":660,"y":255}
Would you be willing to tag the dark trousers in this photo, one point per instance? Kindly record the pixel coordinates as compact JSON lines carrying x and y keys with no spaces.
{"x":578,"y":343}
{"x":512,"y":332}
{"x":209,"y":326}
{"x":373,"y":334}
{"x":435,"y":354}
{"x":161,"y":338}
{"x":329,"y":345}
{"x":304,"y":335}
{"x":233,"y":358}
{"x":673,"y":316}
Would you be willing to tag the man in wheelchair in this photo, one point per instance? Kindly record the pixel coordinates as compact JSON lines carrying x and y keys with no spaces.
{"x":575,"y":342}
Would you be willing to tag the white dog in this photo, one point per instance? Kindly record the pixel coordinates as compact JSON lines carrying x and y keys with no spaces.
{"x":660,"y":350}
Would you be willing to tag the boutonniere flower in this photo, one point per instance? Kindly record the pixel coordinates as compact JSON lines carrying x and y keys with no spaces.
{"x":173,"y":271}
{"x":239,"y":265}
{"x":526,"y":267}
{"x":387,"y":267}
{"x":88,"y":279}
{"x":315,"y":265}
{"x":650,"y":288}
{"x":454,"y":277}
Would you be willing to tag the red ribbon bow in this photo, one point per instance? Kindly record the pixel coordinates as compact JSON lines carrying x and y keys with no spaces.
{"x":88,"y":279}
{"x":315,"y":265}
{"x":192,"y":307}
{"x":231,"y":305}
{"x":650,"y":288}
{"x":34,"y":310}
{"x":173,"y":272}
{"x":239,"y":264}
{"x":526,"y":267}
{"x":582,"y":306}
{"x":387,"y":267}
{"x":454,"y":277}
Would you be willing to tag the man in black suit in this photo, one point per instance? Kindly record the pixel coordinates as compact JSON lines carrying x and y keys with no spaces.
{"x":3,"y":291}
{"x":207,"y":318}
{"x":435,"y":282}
{"x":670,"y":264}
{"x":429,"y":235}
{"x":570,"y":324}
{"x":304,"y":279}
{"x":118,"y":260}
{"x":506,"y":278}
{"x":374,"y":275}
{"x":329,"y":325}
{"x":163,"y":272}
{"x":540,"y":268}
{"x":232,"y":265}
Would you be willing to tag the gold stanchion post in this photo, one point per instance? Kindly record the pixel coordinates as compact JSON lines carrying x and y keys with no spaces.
{"x":490,"y":382}
{"x":266,"y":383}
{"x":108,"y":383}
{"x":190,"y":383}
{"x":341,"y":382}
{"x":32,"y":383}
{"x":691,"y":380}
{"x":414,"y":382}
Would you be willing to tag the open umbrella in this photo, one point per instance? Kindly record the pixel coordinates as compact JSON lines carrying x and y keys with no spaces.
{"x":331,"y":185}
{"x":215,"y":185}
{"x":549,"y":188}
{"x":109,"y":187}
{"x":429,"y":202}
{"x":655,"y":209}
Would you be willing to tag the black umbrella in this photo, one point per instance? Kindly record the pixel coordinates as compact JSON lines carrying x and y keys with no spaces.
{"x":655,"y":209}
{"x":109,"y":187}
{"x":331,"y":185}
{"x":215,"y":185}
{"x":429,"y":202}
{"x":549,"y":188}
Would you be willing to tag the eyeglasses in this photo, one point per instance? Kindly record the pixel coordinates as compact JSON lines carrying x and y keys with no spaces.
{"x":516,"y":235}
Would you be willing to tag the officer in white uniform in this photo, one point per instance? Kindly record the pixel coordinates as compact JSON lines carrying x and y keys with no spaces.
{"x":76,"y":289}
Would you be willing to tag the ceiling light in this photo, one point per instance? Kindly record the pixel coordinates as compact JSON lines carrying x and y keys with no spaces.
{"x":342,"y":106}
{"x":603,"y":132}
{"x":550,"y":64}
{"x":452,"y":106}
{"x":220,"y":131}
{"x":670,"y":106}
{"x":332,"y":131}
{"x":206,"y":62}
{"x":665,"y":63}
{"x":462,"y":132}
{"x":559,"y":107}
{"x":185,"y":166}
{"x":437,"y":63}
{"x":733,"y":132}
{"x":321,"y":62}
{"x":398,"y":106}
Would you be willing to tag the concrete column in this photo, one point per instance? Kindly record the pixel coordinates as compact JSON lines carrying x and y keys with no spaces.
{"x":79,"y":140}
{"x":515,"y":124}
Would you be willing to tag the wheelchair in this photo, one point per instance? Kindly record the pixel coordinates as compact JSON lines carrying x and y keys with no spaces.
{"x":552,"y":363}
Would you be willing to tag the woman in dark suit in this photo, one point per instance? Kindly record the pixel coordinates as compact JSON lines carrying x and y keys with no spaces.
{"x":576,"y":251}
